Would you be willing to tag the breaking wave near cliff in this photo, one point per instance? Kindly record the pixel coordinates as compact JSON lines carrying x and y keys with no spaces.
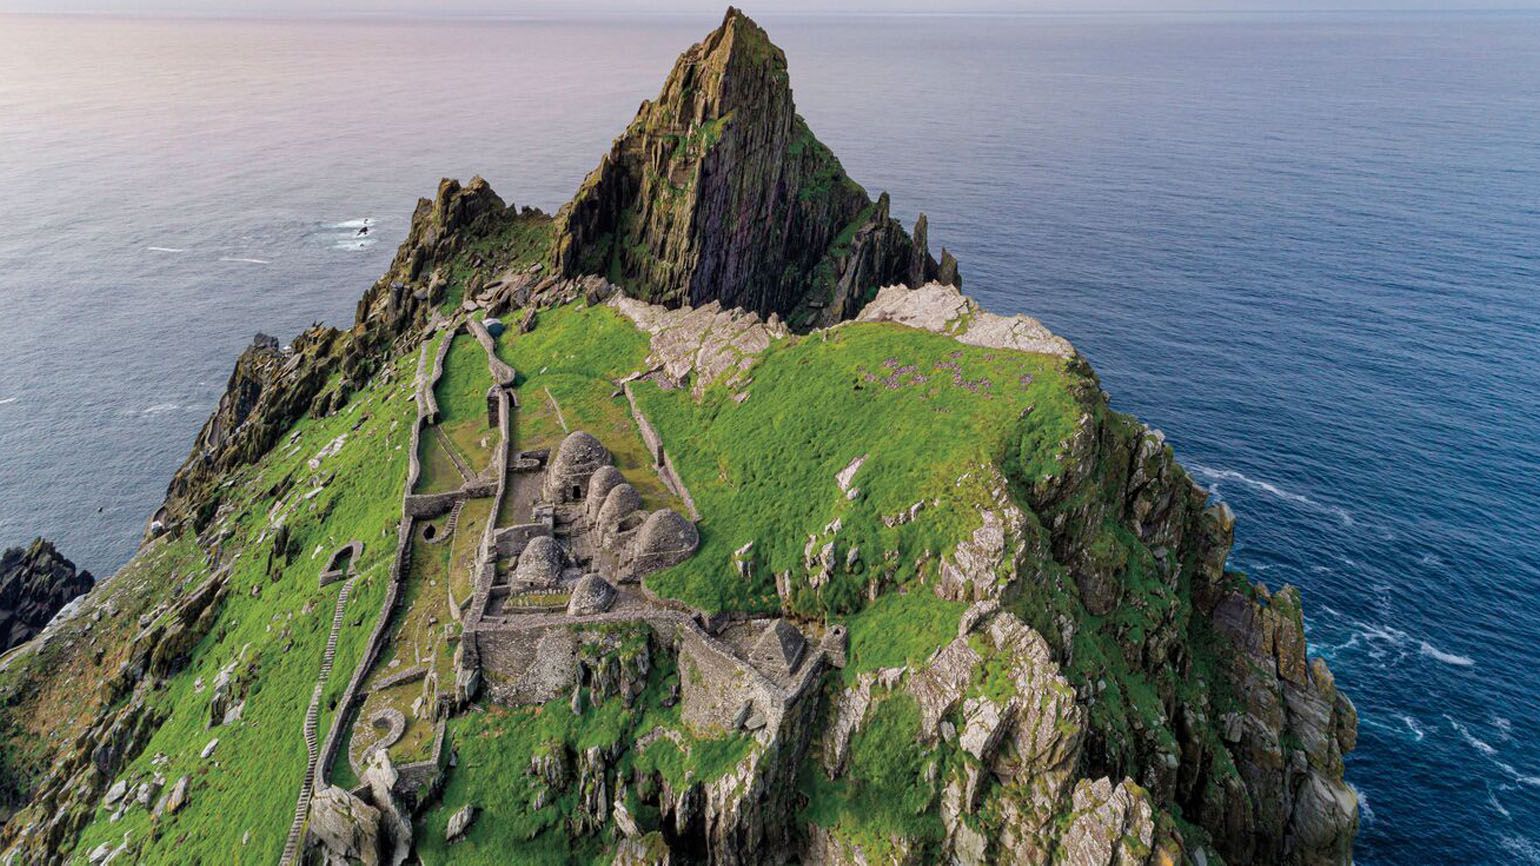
{"x":1215,"y":477}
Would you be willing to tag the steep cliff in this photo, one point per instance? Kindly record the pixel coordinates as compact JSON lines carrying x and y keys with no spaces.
{"x":719,"y":191}
{"x":35,"y":583}
{"x":940,"y":602}
{"x":458,"y":240}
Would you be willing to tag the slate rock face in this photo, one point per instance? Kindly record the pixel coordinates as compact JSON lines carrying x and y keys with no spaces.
{"x":719,"y":191}
{"x":35,"y":583}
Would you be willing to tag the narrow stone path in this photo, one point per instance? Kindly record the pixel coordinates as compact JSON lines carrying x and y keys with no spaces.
{"x":312,"y":720}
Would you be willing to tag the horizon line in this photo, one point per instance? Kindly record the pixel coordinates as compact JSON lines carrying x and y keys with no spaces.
{"x":623,"y":14}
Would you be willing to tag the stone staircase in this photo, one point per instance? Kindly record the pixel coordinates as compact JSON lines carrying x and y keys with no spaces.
{"x":450,"y":525}
{"x":291,"y":845}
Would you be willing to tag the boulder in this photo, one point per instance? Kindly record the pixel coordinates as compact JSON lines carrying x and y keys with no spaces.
{"x":459,"y":823}
{"x":343,"y":828}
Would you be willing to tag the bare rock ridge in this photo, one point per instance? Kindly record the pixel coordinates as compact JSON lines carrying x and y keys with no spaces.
{"x":718,"y":191}
{"x":36,"y":582}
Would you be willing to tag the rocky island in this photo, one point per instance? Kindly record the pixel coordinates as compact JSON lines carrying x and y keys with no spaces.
{"x":705,"y":521}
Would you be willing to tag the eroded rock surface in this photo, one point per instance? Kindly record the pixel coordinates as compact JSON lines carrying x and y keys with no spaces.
{"x":36,"y":582}
{"x":944,"y":309}
{"x":718,"y":191}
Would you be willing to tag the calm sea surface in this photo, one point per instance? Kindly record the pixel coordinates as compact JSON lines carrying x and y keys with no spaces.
{"x":1306,"y":247}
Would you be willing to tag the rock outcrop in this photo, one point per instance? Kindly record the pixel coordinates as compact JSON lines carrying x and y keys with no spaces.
{"x":946,"y":310}
{"x":270,"y":388}
{"x":1245,"y":733}
{"x":36,"y":582}
{"x":719,"y":191}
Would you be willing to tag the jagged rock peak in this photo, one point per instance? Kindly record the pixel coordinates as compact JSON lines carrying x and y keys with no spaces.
{"x":718,"y":190}
{"x":36,"y":582}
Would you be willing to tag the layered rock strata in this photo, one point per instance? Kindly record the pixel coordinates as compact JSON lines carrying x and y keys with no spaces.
{"x":718,"y":191}
{"x":36,"y":582}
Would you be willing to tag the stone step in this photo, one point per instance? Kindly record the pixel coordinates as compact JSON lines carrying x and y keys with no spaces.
{"x":312,"y":722}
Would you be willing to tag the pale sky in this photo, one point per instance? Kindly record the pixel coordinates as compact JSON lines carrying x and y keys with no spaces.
{"x":762,"y":7}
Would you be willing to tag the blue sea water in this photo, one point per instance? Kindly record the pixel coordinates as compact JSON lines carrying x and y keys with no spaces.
{"x":1307,"y":247}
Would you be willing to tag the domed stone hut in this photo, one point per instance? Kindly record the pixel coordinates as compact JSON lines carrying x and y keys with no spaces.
{"x":539,"y":565}
{"x":616,"y":515}
{"x":664,"y":539}
{"x":604,"y":479}
{"x":593,"y":594}
{"x":577,"y":459}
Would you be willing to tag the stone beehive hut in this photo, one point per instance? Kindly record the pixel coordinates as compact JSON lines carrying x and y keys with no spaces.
{"x":540,"y":564}
{"x":577,"y":459}
{"x":665,"y":538}
{"x":604,"y":479}
{"x":618,"y":514}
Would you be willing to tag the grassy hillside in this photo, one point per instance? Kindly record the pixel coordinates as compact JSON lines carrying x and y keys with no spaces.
{"x":930,"y":417}
{"x":275,"y":625}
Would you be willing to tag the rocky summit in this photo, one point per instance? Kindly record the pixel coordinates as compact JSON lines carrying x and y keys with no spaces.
{"x":718,"y":191}
{"x":706,"y":521}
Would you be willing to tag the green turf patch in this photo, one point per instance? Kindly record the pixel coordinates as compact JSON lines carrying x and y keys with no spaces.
{"x":929,"y":415}
{"x":882,"y":795}
{"x":901,"y":629}
{"x":241,"y":798}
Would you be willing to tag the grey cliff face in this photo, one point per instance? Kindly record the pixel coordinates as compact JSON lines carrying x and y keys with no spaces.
{"x":718,"y":191}
{"x":35,"y":583}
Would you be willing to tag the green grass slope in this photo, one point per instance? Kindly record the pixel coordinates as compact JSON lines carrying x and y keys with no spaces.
{"x":929,"y":415}
{"x":241,"y":798}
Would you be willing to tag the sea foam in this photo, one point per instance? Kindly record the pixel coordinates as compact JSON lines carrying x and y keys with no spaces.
{"x":1215,"y":476}
{"x":1434,"y":652}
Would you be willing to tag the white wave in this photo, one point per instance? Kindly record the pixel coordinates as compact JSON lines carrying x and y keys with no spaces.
{"x":166,"y":249}
{"x":1215,"y":476}
{"x":361,"y":223}
{"x":247,"y":261}
{"x":1472,"y":740}
{"x":1364,"y":810}
{"x":9,"y":400}
{"x":1411,"y":725}
{"x":1382,"y":640}
{"x":1430,"y":559}
{"x":1486,"y":749}
{"x":160,"y":409}
{"x":1497,"y":804}
{"x":1434,"y":652}
{"x":1504,"y":726}
{"x":1522,"y":847}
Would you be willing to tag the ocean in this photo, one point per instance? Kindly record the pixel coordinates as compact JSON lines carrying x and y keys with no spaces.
{"x":1305,"y":246}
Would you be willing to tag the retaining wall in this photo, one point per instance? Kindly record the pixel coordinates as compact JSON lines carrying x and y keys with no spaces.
{"x":661,"y":461}
{"x":425,"y":506}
